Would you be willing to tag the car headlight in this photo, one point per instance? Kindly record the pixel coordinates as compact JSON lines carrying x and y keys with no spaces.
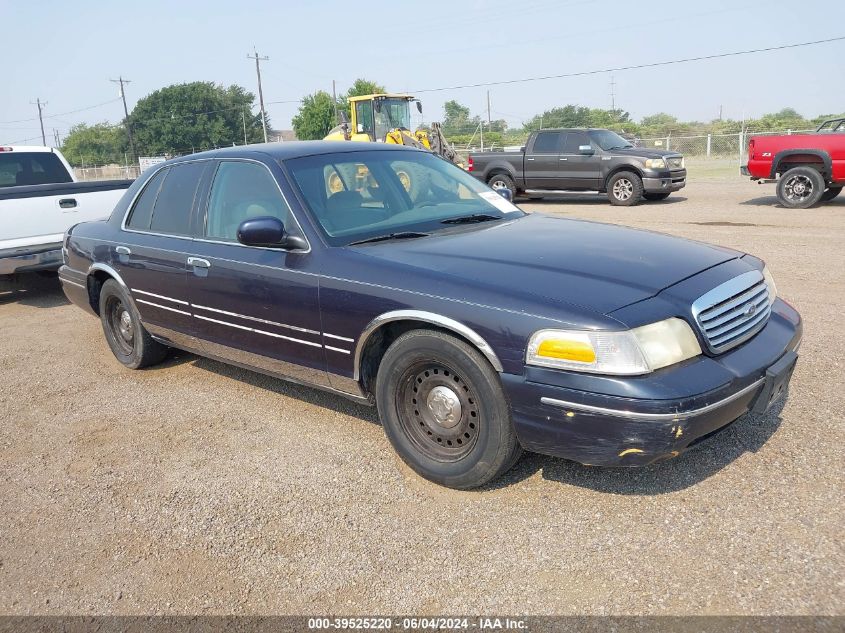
{"x":630,"y":352}
{"x":770,"y":282}
{"x":655,"y":163}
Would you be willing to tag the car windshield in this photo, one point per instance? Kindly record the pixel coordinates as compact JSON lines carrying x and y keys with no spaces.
{"x":608,"y":140}
{"x":356,"y":196}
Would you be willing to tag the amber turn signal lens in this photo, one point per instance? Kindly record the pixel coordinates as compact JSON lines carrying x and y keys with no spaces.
{"x":567,"y":350}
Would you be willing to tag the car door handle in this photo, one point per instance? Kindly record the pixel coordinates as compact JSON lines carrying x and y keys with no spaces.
{"x":123,"y":250}
{"x":563,"y":159}
{"x":529,"y":159}
{"x":67,"y":203}
{"x":198,"y":262}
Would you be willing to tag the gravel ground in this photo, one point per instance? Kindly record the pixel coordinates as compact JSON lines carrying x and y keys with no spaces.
{"x":195,"y":487}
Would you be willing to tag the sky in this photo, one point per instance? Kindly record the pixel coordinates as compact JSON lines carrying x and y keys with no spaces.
{"x":64,"y":53}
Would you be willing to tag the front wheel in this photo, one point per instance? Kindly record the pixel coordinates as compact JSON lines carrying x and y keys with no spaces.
{"x":129,"y":341}
{"x":800,"y":188}
{"x":444,"y":411}
{"x":830,"y":193}
{"x":502,"y":181}
{"x":624,"y":189}
{"x":655,"y":196}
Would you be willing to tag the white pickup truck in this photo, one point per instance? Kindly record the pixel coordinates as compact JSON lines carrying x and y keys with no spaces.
{"x":39,"y":200}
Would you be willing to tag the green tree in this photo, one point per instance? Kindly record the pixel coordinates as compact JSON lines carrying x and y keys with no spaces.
{"x":99,"y":144}
{"x":456,"y":119}
{"x":359,"y":88}
{"x":315,"y":116}
{"x":566,"y":116}
{"x":194,"y":116}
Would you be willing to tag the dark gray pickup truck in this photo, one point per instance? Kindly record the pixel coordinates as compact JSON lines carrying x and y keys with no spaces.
{"x":582,"y":160}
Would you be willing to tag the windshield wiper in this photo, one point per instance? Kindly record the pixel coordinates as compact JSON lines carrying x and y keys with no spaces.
{"x":401,"y":235}
{"x":620,"y":147}
{"x":471,"y":219}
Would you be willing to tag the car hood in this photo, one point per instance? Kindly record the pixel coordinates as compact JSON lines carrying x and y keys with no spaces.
{"x":601,"y":267}
{"x":644,"y":152}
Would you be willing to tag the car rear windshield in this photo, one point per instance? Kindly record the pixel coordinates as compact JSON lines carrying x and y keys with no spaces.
{"x":31,"y":168}
{"x":356,"y":196}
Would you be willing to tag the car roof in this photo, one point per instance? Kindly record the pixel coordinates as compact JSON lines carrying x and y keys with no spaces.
{"x":26,"y":148}
{"x":296,"y":149}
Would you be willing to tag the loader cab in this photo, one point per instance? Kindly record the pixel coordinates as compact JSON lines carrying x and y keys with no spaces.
{"x":377,"y":115}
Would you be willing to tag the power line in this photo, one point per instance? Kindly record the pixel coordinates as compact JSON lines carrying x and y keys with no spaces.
{"x":633,"y":67}
{"x":54,"y":116}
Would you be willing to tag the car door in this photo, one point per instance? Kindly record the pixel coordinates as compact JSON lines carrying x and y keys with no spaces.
{"x":541,"y":160}
{"x":579,"y":170}
{"x":151,"y":260}
{"x":254,"y":306}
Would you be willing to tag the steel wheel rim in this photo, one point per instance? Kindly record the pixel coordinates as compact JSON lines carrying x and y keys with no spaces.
{"x":498,"y":184}
{"x":121,"y":325}
{"x":623,"y":189}
{"x":438,"y":411}
{"x":798,"y":188}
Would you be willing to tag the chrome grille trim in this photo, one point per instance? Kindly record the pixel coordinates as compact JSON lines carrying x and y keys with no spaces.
{"x":733,"y":312}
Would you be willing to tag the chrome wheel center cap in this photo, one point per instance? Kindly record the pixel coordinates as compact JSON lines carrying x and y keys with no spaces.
{"x":125,"y":324}
{"x":445,"y":406}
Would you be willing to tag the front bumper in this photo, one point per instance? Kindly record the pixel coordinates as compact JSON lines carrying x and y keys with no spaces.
{"x":665,"y":182}
{"x":609,"y":430}
{"x":743,"y":170}
{"x":48,"y":257}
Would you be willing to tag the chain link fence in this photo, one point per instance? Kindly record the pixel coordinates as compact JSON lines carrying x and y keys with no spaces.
{"x":107,"y":172}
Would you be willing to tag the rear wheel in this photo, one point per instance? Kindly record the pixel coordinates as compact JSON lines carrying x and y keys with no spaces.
{"x":502,"y":181}
{"x":129,"y":341}
{"x":655,"y":196}
{"x":800,"y":188}
{"x":444,"y":410}
{"x":624,"y":189}
{"x":830,"y":193}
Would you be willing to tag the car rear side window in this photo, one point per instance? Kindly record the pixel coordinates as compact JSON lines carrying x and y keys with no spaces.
{"x":142,"y":212}
{"x":31,"y":168}
{"x":242,"y":191}
{"x":547,"y":143}
{"x":172,"y":211}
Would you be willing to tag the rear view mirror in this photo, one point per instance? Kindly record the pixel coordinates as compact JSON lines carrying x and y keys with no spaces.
{"x":268,"y":232}
{"x":505,"y":193}
{"x":586,"y":150}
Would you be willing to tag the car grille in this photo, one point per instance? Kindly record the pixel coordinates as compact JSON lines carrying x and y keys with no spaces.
{"x":733,"y":312}
{"x":676,"y":162}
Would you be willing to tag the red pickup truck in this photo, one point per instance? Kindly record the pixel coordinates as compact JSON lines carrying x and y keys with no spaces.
{"x":808,"y":168}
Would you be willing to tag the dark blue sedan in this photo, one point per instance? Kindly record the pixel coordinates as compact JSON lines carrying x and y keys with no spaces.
{"x":392,"y":277}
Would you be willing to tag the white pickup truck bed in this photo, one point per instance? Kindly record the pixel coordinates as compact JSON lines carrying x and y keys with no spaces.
{"x":34,"y":217}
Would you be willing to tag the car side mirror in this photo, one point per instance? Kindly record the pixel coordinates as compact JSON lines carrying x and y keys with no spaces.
{"x":586,"y":150}
{"x":268,"y":232}
{"x":505,"y":193}
{"x":419,"y":107}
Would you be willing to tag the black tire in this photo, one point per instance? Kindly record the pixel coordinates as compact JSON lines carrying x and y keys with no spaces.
{"x":830,"y":193}
{"x":655,"y":196}
{"x":800,"y":188}
{"x":422,"y":376}
{"x":624,"y":189}
{"x":502,"y":181}
{"x":130,"y":343}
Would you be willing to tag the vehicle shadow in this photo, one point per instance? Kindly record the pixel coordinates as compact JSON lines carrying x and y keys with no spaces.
{"x":772,"y":201}
{"x":311,"y":395}
{"x":32,"y":289}
{"x":597,"y":199}
{"x":747,"y":434}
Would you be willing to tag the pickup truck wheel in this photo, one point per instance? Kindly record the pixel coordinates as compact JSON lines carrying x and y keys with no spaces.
{"x":655,"y":196}
{"x":624,"y":189}
{"x":502,"y":181}
{"x":800,"y":188}
{"x":830,"y":193}
{"x":129,"y":341}
{"x":444,"y":411}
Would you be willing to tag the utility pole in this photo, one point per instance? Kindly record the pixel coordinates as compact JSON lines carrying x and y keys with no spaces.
{"x":56,"y":138}
{"x":40,"y":105}
{"x":613,"y":95}
{"x":720,"y":112}
{"x":120,"y":80}
{"x":260,"y":93}
{"x":334,"y":101}
{"x":489,"y":119}
{"x":243,"y":116}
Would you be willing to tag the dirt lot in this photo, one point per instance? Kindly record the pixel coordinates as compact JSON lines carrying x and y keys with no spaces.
{"x":195,"y":487}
